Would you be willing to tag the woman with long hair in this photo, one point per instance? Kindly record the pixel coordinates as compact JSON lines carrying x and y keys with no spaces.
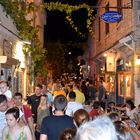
{"x":42,"y":111}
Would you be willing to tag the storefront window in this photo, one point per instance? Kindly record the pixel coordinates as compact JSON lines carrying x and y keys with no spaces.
{"x":110,"y":83}
{"x":128,"y":85}
{"x":121,"y":84}
{"x":124,"y":84}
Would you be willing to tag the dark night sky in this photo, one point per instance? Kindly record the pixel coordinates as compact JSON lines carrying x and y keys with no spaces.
{"x":58,"y":29}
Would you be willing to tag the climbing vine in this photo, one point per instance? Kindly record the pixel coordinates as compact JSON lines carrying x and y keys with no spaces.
{"x":69,"y":9}
{"x":18,"y":10}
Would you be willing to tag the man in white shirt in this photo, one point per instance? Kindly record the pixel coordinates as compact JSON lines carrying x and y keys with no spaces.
{"x":72,"y":105}
{"x":46,"y":92}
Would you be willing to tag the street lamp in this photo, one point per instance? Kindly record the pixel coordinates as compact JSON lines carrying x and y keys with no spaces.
{"x":105,"y":55}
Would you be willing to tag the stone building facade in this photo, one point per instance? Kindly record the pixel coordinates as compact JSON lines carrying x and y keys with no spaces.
{"x":115,"y":50}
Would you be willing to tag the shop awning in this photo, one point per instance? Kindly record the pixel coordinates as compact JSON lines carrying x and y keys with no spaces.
{"x":7,"y":61}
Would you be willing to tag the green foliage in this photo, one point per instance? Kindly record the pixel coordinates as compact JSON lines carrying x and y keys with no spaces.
{"x":39,"y":57}
{"x":18,"y":10}
{"x":55,"y":57}
{"x":58,"y":60}
{"x":69,"y":9}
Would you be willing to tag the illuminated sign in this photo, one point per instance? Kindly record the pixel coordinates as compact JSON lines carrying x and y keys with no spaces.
{"x":111,"y":16}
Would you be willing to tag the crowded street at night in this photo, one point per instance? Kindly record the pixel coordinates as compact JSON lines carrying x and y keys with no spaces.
{"x":69,"y":70}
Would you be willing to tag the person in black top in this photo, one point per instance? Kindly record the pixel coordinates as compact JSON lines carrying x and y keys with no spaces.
{"x":34,"y":100}
{"x":53,"y":126}
{"x":92,"y":90}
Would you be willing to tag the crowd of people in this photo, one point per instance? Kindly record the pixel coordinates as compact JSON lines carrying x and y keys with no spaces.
{"x":66,"y":109}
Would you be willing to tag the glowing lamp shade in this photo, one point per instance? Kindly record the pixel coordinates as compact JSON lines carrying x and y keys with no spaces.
{"x":105,"y":55}
{"x":138,"y":60}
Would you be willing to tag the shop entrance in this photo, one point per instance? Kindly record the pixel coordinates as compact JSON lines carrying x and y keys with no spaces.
{"x":123,"y":83}
{"x":7,"y":71}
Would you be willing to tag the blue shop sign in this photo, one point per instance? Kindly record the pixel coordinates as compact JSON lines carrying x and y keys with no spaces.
{"x":111,"y":16}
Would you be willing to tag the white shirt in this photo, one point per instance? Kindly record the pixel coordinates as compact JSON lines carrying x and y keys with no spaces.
{"x":72,"y":107}
{"x":8,"y":94}
{"x":130,"y":113}
{"x":3,"y":123}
